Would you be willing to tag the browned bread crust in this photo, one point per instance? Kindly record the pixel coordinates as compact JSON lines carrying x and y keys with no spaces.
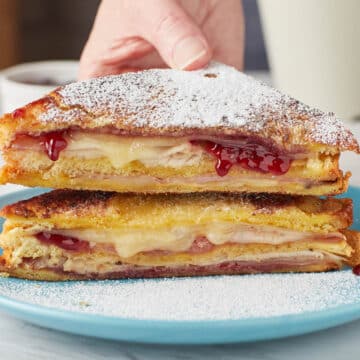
{"x":16,"y":175}
{"x":174,"y":103}
{"x":353,"y":239}
{"x":138,"y":272}
{"x":70,"y":208}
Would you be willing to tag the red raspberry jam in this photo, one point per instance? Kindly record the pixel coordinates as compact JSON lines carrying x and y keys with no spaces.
{"x":64,"y":242}
{"x":18,"y":113}
{"x":53,"y":143}
{"x":356,"y":270}
{"x":250,"y":156}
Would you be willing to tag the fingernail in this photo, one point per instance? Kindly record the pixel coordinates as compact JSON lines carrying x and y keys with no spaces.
{"x":187,"y":51}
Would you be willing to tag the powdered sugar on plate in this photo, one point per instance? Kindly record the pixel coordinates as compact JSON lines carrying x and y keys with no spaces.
{"x":216,"y":97}
{"x":185,"y":299}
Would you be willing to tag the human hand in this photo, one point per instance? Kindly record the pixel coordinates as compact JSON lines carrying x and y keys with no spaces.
{"x":130,"y":35}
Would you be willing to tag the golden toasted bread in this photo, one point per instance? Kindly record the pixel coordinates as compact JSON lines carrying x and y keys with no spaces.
{"x":67,"y":234}
{"x":83,"y":209}
{"x":173,"y":131}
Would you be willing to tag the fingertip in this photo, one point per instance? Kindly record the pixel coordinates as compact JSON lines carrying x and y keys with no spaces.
{"x":200,"y":62}
{"x":176,"y":36}
{"x":190,"y":53}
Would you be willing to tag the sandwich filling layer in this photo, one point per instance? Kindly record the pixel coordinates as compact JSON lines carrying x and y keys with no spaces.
{"x":158,"y":164}
{"x":196,"y":239}
{"x":71,"y":255}
{"x":156,"y":151}
{"x":129,"y":242}
{"x":271,"y":262}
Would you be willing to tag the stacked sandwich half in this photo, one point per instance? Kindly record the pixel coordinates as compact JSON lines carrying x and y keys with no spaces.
{"x":172,"y":173}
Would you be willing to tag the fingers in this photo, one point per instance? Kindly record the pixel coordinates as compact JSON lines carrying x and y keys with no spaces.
{"x":125,"y":49}
{"x":227,"y":37}
{"x":174,"y":34}
{"x":144,"y":34}
{"x":117,"y":58}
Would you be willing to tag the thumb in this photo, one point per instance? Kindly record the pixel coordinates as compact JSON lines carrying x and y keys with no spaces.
{"x":175,"y":35}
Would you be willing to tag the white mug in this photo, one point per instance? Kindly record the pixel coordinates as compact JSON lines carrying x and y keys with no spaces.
{"x":314,"y":51}
{"x":27,"y":82}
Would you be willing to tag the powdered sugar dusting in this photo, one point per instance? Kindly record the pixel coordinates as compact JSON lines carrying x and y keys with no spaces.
{"x":163,"y":98}
{"x":56,"y":113}
{"x":328,"y":129}
{"x":218,"y":96}
{"x":208,"y":298}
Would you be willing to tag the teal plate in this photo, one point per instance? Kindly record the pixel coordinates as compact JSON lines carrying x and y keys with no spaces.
{"x":208,"y":310}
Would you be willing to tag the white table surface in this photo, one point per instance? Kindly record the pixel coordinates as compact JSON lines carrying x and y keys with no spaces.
{"x":23,"y":341}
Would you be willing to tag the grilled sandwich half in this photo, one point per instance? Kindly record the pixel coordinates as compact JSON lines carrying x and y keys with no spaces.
{"x":64,"y":235}
{"x":165,"y":130}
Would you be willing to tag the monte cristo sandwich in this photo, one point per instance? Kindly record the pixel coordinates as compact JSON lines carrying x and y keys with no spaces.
{"x":67,"y":234}
{"x":165,"y":130}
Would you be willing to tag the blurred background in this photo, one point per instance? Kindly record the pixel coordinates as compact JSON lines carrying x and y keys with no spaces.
{"x":312,"y":46}
{"x":35,"y":30}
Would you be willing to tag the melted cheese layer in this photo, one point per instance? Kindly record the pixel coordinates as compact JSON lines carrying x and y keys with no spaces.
{"x":180,"y":239}
{"x":170,"y":152}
